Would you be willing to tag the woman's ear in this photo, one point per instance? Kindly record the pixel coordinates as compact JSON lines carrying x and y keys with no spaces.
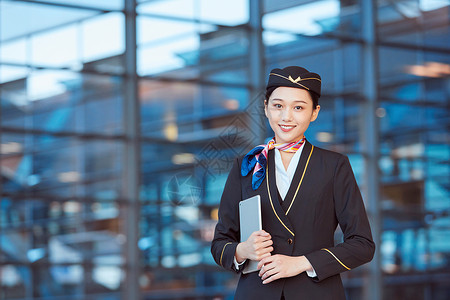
{"x":265,"y":107}
{"x":315,"y":113}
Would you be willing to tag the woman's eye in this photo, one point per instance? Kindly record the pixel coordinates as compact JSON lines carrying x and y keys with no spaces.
{"x":298,"y":108}
{"x":278,"y":105}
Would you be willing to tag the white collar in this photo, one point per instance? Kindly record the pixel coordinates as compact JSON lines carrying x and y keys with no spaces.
{"x":284,"y":177}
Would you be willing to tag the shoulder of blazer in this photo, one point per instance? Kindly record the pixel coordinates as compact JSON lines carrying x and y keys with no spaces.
{"x":239,"y":159}
{"x":329,"y":155}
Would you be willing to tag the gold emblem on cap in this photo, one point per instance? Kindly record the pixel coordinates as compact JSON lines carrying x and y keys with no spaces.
{"x":294,"y":81}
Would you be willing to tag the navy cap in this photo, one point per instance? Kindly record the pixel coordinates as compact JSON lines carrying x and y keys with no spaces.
{"x":296,"y":77}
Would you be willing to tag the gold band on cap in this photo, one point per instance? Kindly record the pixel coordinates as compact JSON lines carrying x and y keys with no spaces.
{"x":293,"y":81}
{"x":296,"y":80}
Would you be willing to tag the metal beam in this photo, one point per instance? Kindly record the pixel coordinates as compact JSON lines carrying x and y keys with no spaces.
{"x":131,"y":162}
{"x":370,"y":141}
{"x":256,"y":68}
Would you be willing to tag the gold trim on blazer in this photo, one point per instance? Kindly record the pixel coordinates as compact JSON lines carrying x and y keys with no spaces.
{"x":223,"y":249}
{"x":336,"y":258}
{"x":303,"y":175}
{"x":271,"y":203}
{"x":298,"y":187}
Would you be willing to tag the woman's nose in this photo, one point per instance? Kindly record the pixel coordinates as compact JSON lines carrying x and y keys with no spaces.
{"x":286,"y":115}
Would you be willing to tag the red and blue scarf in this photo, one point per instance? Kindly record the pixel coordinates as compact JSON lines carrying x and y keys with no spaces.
{"x":256,"y":159}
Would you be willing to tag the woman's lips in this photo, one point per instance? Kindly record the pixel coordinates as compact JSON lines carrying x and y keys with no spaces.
{"x":287,"y":128}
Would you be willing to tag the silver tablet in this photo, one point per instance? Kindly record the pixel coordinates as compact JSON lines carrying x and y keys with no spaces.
{"x":250,"y":221}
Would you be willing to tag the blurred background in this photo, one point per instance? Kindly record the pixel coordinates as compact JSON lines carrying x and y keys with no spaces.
{"x":120,"y":120}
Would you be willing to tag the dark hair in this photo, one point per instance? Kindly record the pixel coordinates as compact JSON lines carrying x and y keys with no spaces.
{"x":314,"y":96}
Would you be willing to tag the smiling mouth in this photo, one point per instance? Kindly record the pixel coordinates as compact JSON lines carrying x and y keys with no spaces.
{"x":286,"y":128}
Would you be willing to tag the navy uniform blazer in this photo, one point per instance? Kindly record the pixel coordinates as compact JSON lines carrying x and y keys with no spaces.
{"x":328,"y":195}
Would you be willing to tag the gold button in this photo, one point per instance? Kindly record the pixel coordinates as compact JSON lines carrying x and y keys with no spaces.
{"x":290,"y":241}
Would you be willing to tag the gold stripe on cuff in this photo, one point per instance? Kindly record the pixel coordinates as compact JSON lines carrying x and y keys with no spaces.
{"x":336,"y":258}
{"x":222,"y":252}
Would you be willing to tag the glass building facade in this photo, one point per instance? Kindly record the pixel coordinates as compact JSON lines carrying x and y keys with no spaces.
{"x":120,"y":120}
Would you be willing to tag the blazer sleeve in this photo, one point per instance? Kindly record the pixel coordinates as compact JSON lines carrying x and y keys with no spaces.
{"x":358,"y":247}
{"x":227,"y":234}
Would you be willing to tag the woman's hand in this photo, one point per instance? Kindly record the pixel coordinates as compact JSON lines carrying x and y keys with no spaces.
{"x":256,"y":247}
{"x":279,"y":266}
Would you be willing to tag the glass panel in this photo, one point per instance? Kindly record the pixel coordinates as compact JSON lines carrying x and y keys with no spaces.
{"x":62,"y":166}
{"x":400,"y":65}
{"x":398,"y":22}
{"x":8,"y":74}
{"x":68,"y":280}
{"x":103,"y":37}
{"x":64,"y":54}
{"x":15,"y":281}
{"x":14,"y":52}
{"x":173,"y":8}
{"x":61,"y":232}
{"x":19,"y":19}
{"x":312,"y":18}
{"x":437,"y":168}
{"x":62,"y":208}
{"x":338,"y":125}
{"x":408,"y":122}
{"x":13,"y":149}
{"x":182,"y":114}
{"x":438,"y":37}
{"x":63,"y":101}
{"x":92,"y":44}
{"x":337,"y":64}
{"x":97,"y":4}
{"x":65,"y":170}
{"x":230,"y":13}
{"x":188,"y":50}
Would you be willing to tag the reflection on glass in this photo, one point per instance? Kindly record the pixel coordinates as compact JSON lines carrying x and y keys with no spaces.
{"x":9,"y":73}
{"x":230,"y":13}
{"x":63,"y":207}
{"x":62,"y":101}
{"x":98,"y":4}
{"x":174,"y":115}
{"x":169,"y":56}
{"x":19,"y":19}
{"x":304,"y":19}
{"x":188,"y":50}
{"x":103,"y":37}
{"x":13,"y":51}
{"x":50,"y":54}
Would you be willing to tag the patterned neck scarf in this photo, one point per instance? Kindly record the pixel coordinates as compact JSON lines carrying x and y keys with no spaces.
{"x":256,"y":159}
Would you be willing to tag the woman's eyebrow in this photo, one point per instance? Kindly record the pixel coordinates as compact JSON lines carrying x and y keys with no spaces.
{"x":302,"y":101}
{"x":279,"y":99}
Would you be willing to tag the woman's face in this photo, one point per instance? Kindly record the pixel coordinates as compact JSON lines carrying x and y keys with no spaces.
{"x":290,"y":110}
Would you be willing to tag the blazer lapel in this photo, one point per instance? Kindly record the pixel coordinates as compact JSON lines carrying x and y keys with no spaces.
{"x":294,"y":189}
{"x":270,"y":181}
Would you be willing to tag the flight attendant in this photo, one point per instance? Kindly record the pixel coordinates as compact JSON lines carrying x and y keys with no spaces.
{"x":305,"y":193}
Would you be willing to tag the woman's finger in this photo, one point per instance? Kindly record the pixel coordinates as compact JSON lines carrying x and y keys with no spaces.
{"x":272,"y":278}
{"x":264,"y":261}
{"x":267,"y":243}
{"x":268,"y":273}
{"x":268,"y":267}
{"x":261,"y":233}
